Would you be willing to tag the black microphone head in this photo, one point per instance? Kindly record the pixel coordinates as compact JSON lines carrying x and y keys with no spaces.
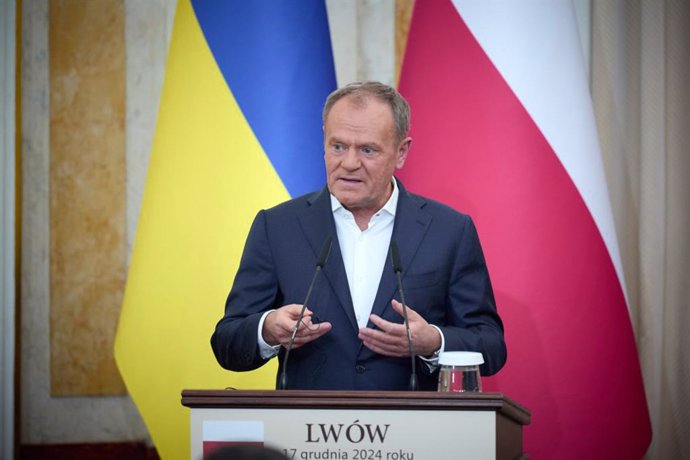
{"x":325,"y":251}
{"x":395,"y":257}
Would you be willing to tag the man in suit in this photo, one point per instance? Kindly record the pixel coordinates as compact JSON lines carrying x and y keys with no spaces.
{"x":352,"y":335}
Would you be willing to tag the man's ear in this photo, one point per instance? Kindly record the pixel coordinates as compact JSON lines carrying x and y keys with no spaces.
{"x":403,"y":149}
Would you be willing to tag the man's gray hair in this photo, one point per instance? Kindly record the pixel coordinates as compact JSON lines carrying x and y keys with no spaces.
{"x":363,"y":89}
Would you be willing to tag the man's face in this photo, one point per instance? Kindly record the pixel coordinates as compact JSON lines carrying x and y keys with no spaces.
{"x":361,"y":153}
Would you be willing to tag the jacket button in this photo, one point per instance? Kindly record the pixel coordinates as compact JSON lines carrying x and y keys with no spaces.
{"x":360,"y":368}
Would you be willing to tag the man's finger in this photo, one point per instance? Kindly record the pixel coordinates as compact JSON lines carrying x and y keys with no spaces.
{"x":311,"y":334}
{"x":379,"y":322}
{"x":374,"y":336}
{"x":296,"y":309}
{"x":411,"y":314}
{"x":385,"y":349}
{"x":386,"y":326}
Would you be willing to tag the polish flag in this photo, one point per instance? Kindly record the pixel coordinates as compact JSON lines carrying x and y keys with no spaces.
{"x":503,"y":130}
{"x":217,"y":434}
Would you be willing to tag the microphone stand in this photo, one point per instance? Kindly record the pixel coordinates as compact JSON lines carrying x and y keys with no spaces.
{"x":397,"y":268}
{"x":323,"y":256}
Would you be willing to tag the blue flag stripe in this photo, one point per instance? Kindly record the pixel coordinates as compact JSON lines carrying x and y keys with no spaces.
{"x":276,"y":58}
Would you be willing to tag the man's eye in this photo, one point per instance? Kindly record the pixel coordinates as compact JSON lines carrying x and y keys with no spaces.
{"x":338,"y":148}
{"x":368,"y":151}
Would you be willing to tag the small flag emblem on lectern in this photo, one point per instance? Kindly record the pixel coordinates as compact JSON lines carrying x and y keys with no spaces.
{"x":222,"y":433}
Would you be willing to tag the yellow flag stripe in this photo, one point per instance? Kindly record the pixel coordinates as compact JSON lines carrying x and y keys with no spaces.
{"x":207,"y":178}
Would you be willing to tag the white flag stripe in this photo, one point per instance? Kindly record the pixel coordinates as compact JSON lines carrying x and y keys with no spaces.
{"x":519,"y":37}
{"x":233,"y":430}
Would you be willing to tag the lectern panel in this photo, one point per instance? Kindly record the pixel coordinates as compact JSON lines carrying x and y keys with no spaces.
{"x":349,"y":434}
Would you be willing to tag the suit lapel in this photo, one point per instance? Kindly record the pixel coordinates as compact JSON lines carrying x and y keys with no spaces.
{"x":411,"y":224}
{"x":317,"y":223}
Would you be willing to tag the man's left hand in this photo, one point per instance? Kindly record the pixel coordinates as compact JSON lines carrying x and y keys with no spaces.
{"x":391,"y":338}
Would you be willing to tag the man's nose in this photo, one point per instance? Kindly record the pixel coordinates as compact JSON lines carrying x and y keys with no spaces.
{"x":351,"y":160}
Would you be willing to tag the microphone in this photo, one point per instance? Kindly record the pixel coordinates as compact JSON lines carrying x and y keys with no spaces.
{"x":320,"y":262}
{"x":397,"y":268}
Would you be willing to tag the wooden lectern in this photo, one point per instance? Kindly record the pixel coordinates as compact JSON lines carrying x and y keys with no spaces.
{"x":359,"y":425}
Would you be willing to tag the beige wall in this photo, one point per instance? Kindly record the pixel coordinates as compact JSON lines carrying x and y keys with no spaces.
{"x":86,"y":72}
{"x":46,"y":418}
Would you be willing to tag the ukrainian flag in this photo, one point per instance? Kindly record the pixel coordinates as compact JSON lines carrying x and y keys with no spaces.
{"x":239,"y":129}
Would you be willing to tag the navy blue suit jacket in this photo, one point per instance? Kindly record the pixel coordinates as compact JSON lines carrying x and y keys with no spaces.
{"x":444,"y":276}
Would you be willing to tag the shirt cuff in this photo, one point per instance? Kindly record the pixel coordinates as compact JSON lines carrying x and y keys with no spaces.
{"x":267,"y":351}
{"x":432,"y":361}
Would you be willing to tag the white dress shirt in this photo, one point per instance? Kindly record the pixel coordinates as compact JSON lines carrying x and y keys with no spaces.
{"x":364,"y":252}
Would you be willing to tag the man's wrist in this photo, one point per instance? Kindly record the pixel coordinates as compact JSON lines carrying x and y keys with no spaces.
{"x":433,"y":356}
{"x":266,"y":350}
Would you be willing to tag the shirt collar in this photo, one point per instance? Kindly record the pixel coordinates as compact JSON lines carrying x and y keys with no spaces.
{"x":390,"y":206}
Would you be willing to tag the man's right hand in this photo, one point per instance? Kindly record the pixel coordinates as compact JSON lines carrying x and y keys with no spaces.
{"x":278,"y":326}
